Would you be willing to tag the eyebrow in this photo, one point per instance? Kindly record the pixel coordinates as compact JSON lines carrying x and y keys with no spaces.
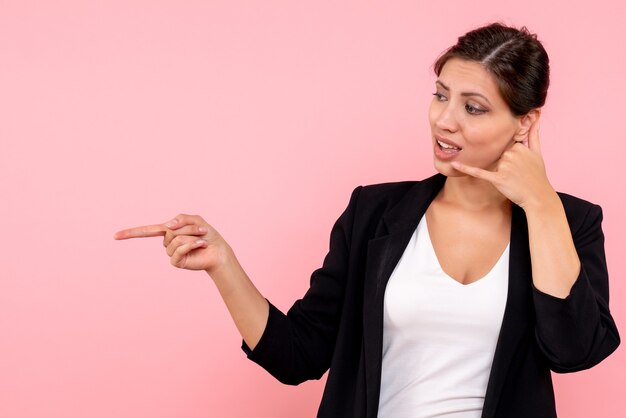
{"x":465,"y":94}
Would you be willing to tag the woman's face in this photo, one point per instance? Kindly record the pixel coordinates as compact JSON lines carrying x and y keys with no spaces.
{"x":469,"y":115}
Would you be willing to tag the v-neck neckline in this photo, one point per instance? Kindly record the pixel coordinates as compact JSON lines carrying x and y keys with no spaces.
{"x":448,"y":276}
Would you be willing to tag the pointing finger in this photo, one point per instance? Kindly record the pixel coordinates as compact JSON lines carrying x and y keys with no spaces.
{"x":141,"y":232}
{"x":474,"y":171}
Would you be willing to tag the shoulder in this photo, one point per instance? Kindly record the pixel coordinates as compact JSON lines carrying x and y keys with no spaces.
{"x":397,"y":202}
{"x":390,"y":193}
{"x":580,"y":212}
{"x":374,"y":200}
{"x":369,"y":202}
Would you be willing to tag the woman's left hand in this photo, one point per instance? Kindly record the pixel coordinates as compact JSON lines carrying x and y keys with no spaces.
{"x":520,"y":173}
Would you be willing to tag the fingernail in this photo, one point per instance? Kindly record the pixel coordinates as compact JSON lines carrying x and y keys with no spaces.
{"x":172,"y":223}
{"x":202,"y":230}
{"x":200,"y":242}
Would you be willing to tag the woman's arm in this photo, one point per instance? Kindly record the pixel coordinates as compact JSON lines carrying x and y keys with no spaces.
{"x":521,"y":177}
{"x":577,"y":331}
{"x":247,"y":306}
{"x":191,"y":243}
{"x":574,"y":327}
{"x":555,"y":263}
{"x":293,"y":347}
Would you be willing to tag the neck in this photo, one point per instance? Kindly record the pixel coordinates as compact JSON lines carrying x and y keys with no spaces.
{"x":473,"y":194}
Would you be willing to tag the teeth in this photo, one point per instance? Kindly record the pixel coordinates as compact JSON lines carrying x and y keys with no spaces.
{"x":443,"y":145}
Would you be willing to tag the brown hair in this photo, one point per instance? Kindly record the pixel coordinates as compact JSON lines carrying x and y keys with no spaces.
{"x":515,"y":57}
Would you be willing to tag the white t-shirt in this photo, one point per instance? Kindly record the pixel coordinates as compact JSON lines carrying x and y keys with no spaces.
{"x":439,"y":335}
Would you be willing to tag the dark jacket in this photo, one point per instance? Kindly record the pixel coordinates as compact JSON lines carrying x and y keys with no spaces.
{"x":338,"y":324}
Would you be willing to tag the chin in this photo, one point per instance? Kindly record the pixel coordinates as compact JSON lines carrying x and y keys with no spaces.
{"x":446,"y":169}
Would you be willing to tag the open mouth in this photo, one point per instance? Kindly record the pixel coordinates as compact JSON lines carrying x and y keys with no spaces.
{"x":447,"y":147}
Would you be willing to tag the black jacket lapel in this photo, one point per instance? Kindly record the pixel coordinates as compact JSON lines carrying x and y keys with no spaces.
{"x":383,"y":254}
{"x":516,"y":312}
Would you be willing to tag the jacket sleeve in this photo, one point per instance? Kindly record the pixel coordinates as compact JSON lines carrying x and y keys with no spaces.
{"x":578,"y":332}
{"x":298,"y":346}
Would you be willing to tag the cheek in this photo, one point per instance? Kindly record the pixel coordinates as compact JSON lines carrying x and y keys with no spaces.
{"x":489,"y":141}
{"x":483,"y":137}
{"x":433,"y":113}
{"x":490,"y":133}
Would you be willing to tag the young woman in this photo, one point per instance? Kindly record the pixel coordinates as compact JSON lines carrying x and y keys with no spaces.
{"x":454,"y":296}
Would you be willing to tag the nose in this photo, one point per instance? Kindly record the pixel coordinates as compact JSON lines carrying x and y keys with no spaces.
{"x":446,"y":119}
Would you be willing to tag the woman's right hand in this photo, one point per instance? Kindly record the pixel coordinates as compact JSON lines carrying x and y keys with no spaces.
{"x":190,"y":242}
{"x":193,"y":244}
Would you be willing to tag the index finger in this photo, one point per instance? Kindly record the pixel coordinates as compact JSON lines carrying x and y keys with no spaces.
{"x":474,"y":171}
{"x":141,"y":232}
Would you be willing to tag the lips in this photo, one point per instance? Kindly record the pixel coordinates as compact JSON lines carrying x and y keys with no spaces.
{"x":445,"y":149}
{"x":445,"y":143}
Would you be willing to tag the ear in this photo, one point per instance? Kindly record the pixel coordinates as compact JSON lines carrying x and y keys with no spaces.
{"x":525,"y":123}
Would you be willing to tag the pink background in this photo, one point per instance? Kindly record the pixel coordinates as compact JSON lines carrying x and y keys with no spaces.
{"x":262,"y":116}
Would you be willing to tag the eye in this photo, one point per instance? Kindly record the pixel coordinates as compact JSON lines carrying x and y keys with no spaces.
{"x":473,"y":110}
{"x":440,"y":97}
